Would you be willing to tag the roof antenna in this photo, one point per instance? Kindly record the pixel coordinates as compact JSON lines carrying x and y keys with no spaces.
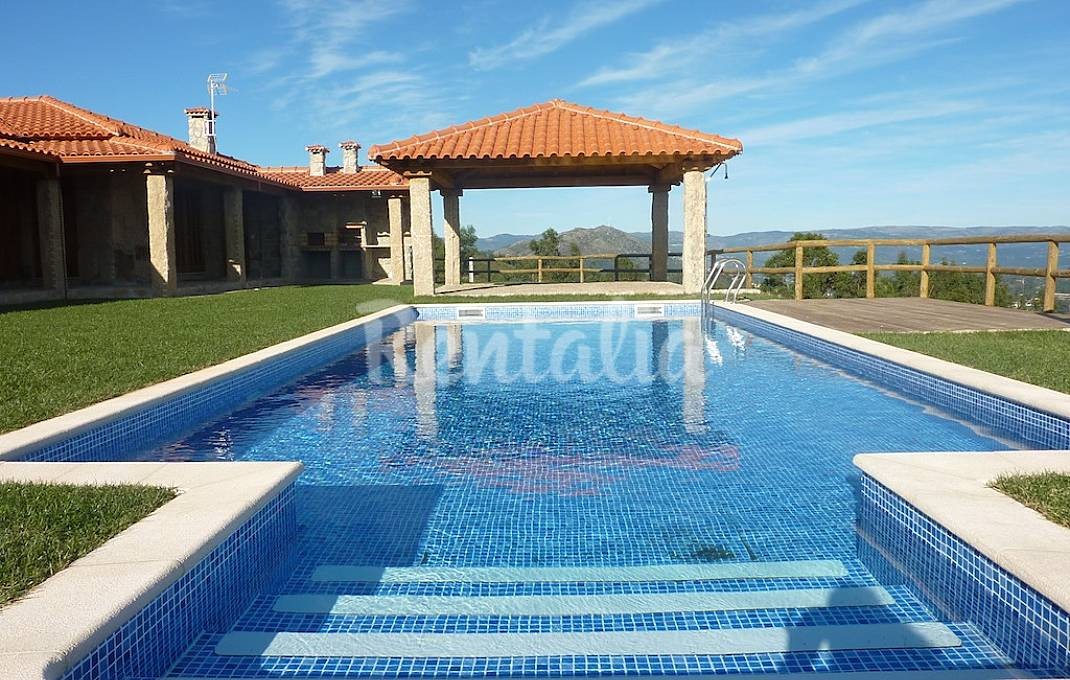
{"x":217,"y":84}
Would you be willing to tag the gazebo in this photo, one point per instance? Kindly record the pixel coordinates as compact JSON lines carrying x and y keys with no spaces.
{"x":557,"y":144}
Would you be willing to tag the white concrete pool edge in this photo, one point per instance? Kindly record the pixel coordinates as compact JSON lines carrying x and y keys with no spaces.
{"x":59,"y":622}
{"x":18,"y":442}
{"x":952,"y":490}
{"x":1035,"y":397}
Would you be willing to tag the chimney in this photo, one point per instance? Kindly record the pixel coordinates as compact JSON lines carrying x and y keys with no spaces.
{"x":201,"y":129}
{"x":317,"y":160}
{"x":349,"y":156}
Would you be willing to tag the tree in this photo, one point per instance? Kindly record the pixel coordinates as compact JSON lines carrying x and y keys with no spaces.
{"x":963,"y":287}
{"x":814,"y":285}
{"x":549,"y":243}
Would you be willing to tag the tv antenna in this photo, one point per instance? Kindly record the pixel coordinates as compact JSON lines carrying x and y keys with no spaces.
{"x":217,"y":85}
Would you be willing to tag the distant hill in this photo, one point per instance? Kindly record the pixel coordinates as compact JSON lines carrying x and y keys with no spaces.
{"x":607,"y":239}
{"x":601,"y":239}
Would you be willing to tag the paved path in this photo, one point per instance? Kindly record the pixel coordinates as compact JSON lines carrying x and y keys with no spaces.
{"x":910,"y":314}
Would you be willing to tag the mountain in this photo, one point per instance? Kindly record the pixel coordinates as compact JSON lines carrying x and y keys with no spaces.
{"x":607,"y":239}
{"x":592,"y":240}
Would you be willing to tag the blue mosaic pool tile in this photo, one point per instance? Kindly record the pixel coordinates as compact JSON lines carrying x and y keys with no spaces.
{"x":207,"y":597}
{"x":975,"y":652}
{"x":1025,"y":423}
{"x":560,"y":312}
{"x":165,"y":420}
{"x":902,"y":544}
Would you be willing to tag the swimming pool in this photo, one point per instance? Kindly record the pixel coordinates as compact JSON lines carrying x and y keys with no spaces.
{"x":474,"y":489}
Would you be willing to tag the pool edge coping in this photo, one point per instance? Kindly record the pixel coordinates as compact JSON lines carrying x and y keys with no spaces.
{"x":1026,"y":394}
{"x":952,"y":490}
{"x":56,"y":624}
{"x":16,"y":443}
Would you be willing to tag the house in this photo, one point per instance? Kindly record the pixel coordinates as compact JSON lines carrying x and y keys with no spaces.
{"x":94,"y":207}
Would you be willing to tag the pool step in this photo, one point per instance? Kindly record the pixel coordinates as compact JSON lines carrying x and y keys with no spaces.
{"x":575,"y":605}
{"x":334,"y":573}
{"x":962,"y":674}
{"x":482,"y":645}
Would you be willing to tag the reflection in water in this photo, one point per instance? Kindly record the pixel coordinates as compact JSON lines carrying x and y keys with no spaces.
{"x":694,"y":377}
{"x":425,"y":381}
{"x":540,"y":469}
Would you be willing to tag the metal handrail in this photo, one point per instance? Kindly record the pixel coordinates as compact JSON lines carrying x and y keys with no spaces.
{"x":739,"y":276}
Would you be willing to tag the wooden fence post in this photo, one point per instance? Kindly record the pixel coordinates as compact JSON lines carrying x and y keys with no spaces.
{"x":748,"y":282}
{"x":990,"y":276}
{"x":926,"y":255}
{"x":581,"y":270}
{"x":798,"y":272}
{"x":1049,"y":276}
{"x":538,"y":265}
{"x":871,"y":273}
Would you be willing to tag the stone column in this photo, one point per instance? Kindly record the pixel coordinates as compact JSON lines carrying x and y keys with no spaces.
{"x":160,"y":202}
{"x":423,"y":257}
{"x":234,"y":233}
{"x":451,"y":217}
{"x":50,"y":230}
{"x":397,"y":239}
{"x":659,"y":231}
{"x":291,"y":253}
{"x":694,"y":258}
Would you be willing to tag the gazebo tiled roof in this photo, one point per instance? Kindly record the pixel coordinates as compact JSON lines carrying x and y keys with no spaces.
{"x":555,"y":144}
{"x":557,"y":129}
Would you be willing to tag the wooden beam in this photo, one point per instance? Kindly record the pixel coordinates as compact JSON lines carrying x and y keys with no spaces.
{"x":553,"y":181}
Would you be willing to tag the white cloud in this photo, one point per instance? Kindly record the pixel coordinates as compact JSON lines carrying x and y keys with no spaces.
{"x":679,"y":52}
{"x":547,"y":37}
{"x":847,"y":121}
{"x":887,"y":38}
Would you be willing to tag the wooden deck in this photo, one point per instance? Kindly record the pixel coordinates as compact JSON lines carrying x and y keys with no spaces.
{"x":900,"y":315}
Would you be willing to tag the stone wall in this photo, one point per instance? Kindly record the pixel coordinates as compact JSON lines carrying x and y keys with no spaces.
{"x":328,"y":213}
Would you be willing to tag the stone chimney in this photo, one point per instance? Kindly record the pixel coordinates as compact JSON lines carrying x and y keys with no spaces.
{"x":317,"y":160}
{"x":349,"y":156}
{"x":200,"y":121}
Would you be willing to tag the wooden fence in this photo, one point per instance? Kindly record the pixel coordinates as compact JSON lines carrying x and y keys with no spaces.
{"x":1050,"y":273}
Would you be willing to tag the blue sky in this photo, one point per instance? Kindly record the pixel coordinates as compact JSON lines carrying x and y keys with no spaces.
{"x":852,"y":112}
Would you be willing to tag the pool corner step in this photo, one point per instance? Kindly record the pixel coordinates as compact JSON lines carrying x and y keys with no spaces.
{"x":667,"y":572}
{"x":642,"y":643}
{"x":576,"y":605}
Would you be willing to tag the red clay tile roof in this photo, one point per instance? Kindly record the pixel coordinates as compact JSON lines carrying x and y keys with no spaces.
{"x":366,"y":178}
{"x":77,"y":135}
{"x":51,"y":129}
{"x":557,"y":129}
{"x":10,"y":147}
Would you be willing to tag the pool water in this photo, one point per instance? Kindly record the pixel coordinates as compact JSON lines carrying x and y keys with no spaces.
{"x":590,"y":444}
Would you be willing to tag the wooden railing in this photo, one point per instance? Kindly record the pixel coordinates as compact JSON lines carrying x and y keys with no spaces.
{"x":1050,"y":272}
{"x":540,"y":269}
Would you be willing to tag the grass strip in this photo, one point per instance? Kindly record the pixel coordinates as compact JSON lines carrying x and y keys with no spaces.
{"x":1048,"y":493}
{"x":45,"y":527}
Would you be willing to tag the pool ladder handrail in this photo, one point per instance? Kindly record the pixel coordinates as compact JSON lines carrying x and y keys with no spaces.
{"x":731,"y":292}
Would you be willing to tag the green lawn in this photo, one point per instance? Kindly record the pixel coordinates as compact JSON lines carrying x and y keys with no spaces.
{"x":1037,"y":357}
{"x":1048,"y":493}
{"x":45,"y":527}
{"x":58,"y":358}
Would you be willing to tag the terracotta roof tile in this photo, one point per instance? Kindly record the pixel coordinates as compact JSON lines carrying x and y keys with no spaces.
{"x":51,"y":129}
{"x":13,"y":147}
{"x":79,"y":135}
{"x":367,"y":177}
{"x":556,"y":129}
